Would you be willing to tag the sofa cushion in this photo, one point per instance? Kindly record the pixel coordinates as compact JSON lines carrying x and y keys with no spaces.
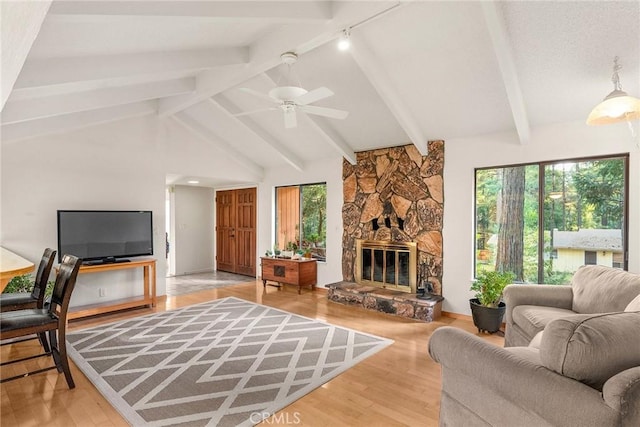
{"x":599,"y":289}
{"x":634,"y":305}
{"x":592,"y":348}
{"x":533,"y":318}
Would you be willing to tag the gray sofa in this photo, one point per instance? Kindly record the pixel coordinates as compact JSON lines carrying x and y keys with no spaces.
{"x":593,"y":289}
{"x":585,"y":372}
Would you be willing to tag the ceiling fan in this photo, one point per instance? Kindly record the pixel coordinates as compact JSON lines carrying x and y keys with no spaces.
{"x":290,"y":98}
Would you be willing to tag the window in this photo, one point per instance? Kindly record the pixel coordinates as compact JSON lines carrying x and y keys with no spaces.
{"x":590,"y":258}
{"x":306,"y":205}
{"x":543,"y":221}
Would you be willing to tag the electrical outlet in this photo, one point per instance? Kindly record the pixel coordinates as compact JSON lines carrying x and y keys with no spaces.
{"x":102,"y":292}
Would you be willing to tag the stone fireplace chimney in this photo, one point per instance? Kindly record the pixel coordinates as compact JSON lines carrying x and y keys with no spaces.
{"x":394,"y":196}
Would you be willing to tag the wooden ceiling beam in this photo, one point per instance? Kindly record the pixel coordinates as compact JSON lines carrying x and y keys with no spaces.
{"x":71,"y":70}
{"x":57,"y":105}
{"x":374,"y":71}
{"x":504,"y":54}
{"x":70,"y":122}
{"x":20,"y":24}
{"x":223,"y":11}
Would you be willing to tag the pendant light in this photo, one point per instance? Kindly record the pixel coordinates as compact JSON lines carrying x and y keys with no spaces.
{"x":617,"y":106}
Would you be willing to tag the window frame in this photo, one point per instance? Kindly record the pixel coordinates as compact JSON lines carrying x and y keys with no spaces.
{"x":299,"y":235}
{"x":541,"y":194}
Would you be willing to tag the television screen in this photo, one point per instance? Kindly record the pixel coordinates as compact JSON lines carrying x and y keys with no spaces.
{"x":105,"y":235}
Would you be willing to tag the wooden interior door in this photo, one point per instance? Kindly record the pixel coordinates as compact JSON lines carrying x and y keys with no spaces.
{"x":225,"y":231}
{"x":236,"y":231}
{"x":246,"y":231}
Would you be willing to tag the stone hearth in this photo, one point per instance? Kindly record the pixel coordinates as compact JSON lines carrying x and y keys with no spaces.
{"x":385,"y":300}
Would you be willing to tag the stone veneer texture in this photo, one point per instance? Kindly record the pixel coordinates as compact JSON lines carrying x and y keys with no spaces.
{"x":395,"y":194}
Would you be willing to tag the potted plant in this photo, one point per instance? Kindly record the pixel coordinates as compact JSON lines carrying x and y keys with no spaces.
{"x":487,"y":307}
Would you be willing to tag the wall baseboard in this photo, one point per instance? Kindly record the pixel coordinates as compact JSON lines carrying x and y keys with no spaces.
{"x":457,"y":316}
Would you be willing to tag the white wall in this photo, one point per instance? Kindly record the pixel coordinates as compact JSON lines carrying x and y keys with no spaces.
{"x":193,"y":218}
{"x":550,"y":143}
{"x":324,"y":170}
{"x":110,"y":167}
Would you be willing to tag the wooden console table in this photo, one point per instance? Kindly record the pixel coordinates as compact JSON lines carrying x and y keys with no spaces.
{"x":299,"y":272}
{"x":149,"y":297}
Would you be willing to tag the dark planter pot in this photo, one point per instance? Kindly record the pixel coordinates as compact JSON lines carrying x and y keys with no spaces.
{"x":487,"y":319}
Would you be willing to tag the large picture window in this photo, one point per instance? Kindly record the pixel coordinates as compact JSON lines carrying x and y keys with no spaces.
{"x":543,"y":221}
{"x":304,"y":205}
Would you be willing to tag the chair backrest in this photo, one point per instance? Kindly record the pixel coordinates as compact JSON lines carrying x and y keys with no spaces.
{"x":42,"y":276}
{"x":65,"y":282}
{"x":599,"y":289}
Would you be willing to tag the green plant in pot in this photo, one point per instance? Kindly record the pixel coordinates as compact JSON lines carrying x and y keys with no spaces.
{"x":487,"y":308}
{"x":24,"y":284}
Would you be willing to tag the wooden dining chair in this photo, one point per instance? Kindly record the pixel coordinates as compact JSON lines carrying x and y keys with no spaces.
{"x":52,"y":320}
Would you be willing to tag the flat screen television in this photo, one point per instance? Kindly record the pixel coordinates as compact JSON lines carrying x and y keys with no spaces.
{"x":104,"y":236}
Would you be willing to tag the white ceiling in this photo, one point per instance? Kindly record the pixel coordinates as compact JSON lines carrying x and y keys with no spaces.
{"x":417,"y":70}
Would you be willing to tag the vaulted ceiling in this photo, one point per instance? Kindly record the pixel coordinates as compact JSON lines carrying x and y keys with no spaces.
{"x":416,"y":70}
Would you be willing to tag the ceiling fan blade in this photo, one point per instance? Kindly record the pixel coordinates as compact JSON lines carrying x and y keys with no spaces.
{"x":244,"y":113}
{"x":313,"y":96}
{"x":258,"y":94}
{"x":326,"y":112}
{"x":290,"y":120}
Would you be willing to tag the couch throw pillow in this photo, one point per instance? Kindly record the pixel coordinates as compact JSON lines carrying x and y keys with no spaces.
{"x":592,"y":348}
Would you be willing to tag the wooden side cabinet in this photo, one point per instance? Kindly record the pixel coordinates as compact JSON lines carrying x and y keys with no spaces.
{"x":300,"y":272}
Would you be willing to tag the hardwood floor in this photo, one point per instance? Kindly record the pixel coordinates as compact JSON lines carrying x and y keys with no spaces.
{"x":399,"y":386}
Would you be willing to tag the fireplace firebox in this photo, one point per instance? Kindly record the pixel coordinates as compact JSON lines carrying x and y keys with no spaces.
{"x":390,"y":265}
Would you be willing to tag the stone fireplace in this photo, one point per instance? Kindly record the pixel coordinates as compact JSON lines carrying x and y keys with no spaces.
{"x":389,"y":265}
{"x":392,"y":240}
{"x":395,"y":196}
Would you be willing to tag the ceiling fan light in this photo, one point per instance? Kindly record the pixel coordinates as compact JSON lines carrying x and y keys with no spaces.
{"x":286,"y":93}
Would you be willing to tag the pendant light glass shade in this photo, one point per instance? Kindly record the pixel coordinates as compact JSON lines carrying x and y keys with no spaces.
{"x":617,"y":106}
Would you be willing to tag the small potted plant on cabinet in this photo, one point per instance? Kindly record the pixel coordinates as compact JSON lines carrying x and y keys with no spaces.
{"x":487,"y":307}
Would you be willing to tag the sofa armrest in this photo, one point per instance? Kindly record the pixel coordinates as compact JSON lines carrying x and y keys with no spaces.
{"x":529,"y":385}
{"x":545,"y":295}
{"x":622,"y":393}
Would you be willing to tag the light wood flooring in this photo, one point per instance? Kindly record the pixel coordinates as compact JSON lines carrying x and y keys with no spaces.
{"x":398,"y":386}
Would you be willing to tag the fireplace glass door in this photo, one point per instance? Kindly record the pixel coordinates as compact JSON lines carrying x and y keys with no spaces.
{"x":387,"y":264}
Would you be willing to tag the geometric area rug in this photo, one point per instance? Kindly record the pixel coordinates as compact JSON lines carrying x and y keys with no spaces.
{"x":227,"y":362}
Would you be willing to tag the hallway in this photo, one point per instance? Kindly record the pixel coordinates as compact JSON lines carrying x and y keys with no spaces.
{"x":190,"y":283}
